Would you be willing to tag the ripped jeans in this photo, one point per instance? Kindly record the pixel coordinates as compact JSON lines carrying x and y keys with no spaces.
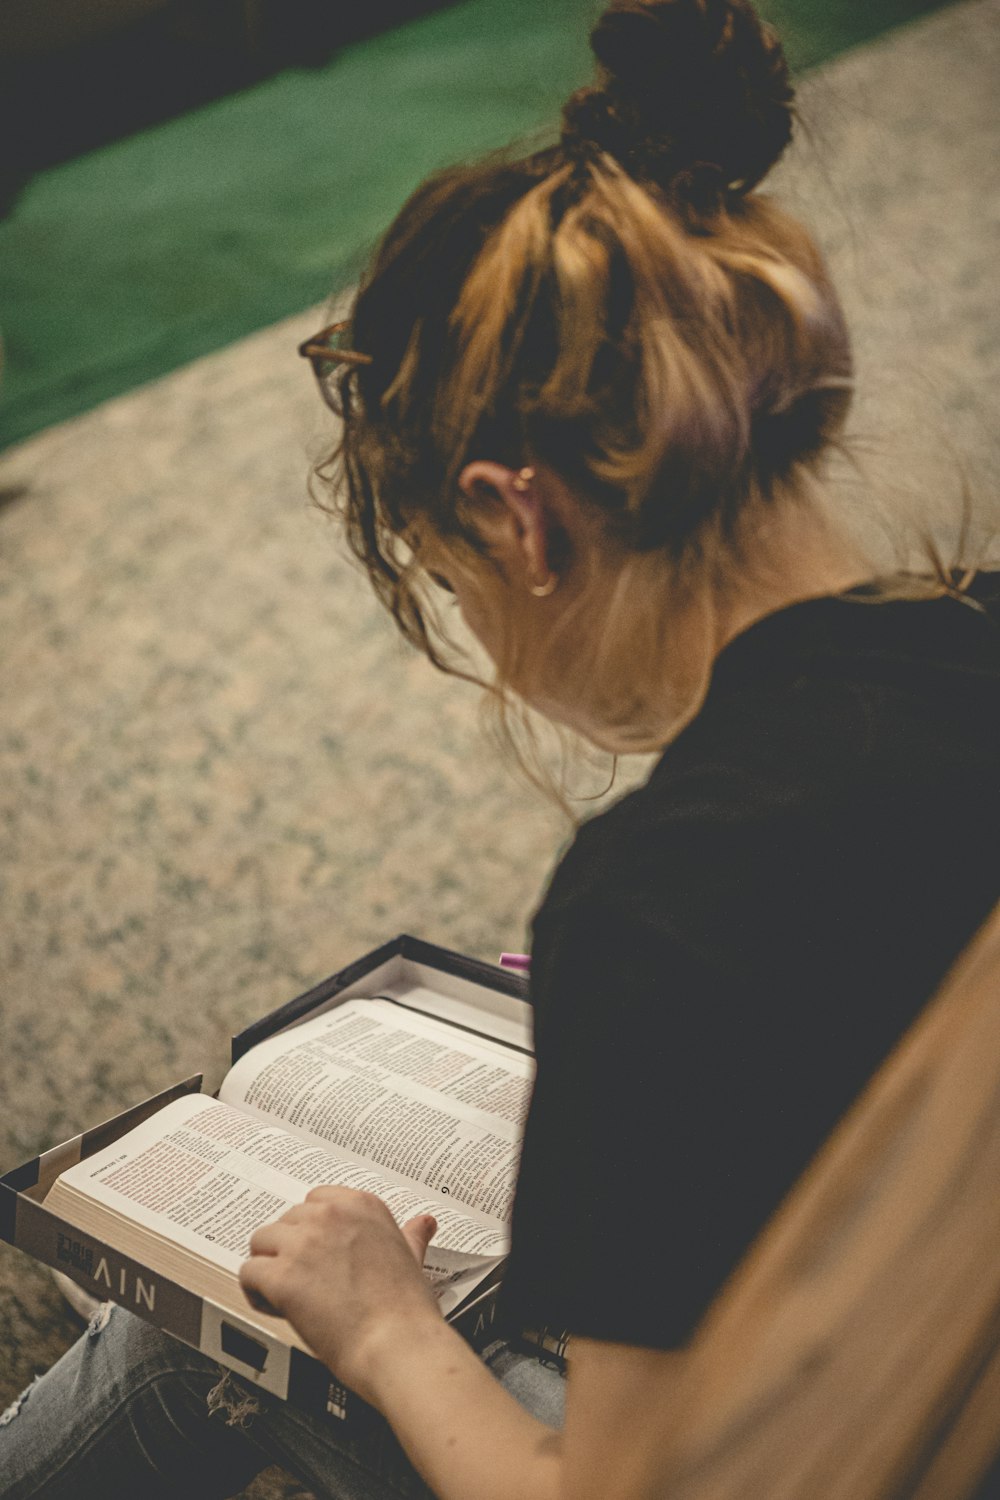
{"x":129,"y":1411}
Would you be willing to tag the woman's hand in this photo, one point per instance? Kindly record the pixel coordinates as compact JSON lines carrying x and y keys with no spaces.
{"x":350,"y":1282}
{"x":345,"y":1276}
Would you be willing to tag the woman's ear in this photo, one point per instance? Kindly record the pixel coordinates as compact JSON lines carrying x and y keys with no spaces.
{"x":514,"y":518}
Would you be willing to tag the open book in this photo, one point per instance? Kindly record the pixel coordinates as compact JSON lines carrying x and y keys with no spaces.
{"x":370,"y":1095}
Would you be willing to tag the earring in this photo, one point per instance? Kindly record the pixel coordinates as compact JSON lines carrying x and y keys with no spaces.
{"x":543,"y":590}
{"x":522,"y":482}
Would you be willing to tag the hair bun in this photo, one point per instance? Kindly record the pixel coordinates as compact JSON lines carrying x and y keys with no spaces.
{"x":691,"y":94}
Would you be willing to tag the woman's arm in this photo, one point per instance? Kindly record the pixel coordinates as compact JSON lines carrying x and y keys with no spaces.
{"x":467,"y":1436}
{"x":348,"y":1279}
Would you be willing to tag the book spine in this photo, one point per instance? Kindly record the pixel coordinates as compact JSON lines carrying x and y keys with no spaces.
{"x":104,"y":1272}
{"x":262,"y":1360}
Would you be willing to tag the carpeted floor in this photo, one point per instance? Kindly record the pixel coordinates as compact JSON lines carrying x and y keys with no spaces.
{"x":221,"y":777}
{"x":122,"y":265}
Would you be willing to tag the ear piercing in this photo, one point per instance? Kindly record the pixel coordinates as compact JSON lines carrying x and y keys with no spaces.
{"x":522,"y":482}
{"x":543,"y":590}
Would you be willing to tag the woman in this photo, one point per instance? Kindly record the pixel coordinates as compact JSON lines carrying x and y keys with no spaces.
{"x":591,"y":393}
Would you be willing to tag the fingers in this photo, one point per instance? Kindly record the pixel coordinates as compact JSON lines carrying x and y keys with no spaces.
{"x":267,"y":1241}
{"x":418,"y":1233}
{"x":332,"y":1208}
{"x":258,"y":1279}
{"x":351,"y":1200}
{"x":319,"y":1202}
{"x":329,"y":1192}
{"x":333,"y":1263}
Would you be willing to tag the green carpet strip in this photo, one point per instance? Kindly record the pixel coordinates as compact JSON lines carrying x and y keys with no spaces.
{"x":122,"y":265}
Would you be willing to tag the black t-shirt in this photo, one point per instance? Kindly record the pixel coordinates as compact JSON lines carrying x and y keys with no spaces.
{"x":724,"y":957}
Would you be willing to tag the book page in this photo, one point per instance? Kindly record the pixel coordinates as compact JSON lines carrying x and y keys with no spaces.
{"x":437,"y":1107}
{"x":203,"y":1176}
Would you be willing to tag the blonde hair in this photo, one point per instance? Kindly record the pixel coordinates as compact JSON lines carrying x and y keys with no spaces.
{"x":623,"y":307}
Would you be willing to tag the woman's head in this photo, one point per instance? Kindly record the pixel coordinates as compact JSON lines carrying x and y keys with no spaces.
{"x":621,"y":314}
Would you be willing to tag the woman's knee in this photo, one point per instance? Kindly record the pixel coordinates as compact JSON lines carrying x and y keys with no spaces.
{"x":130,"y":1350}
{"x":129,"y":1409}
{"x":121,"y":1360}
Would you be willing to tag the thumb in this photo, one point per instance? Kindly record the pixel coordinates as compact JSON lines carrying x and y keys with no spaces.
{"x":418,"y":1234}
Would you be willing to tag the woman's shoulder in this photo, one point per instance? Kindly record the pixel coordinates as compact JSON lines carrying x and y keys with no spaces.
{"x":826,"y":726}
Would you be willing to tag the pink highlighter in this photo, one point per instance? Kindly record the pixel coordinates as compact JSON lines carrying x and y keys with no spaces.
{"x":519,"y":961}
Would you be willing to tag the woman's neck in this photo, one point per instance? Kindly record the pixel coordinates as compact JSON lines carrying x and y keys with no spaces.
{"x":792,"y":558}
{"x":797,"y":556}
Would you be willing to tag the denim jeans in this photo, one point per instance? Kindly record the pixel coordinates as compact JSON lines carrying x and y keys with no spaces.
{"x":129,"y":1411}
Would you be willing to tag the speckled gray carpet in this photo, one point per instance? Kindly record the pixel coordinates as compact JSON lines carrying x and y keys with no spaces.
{"x":220,"y":775}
